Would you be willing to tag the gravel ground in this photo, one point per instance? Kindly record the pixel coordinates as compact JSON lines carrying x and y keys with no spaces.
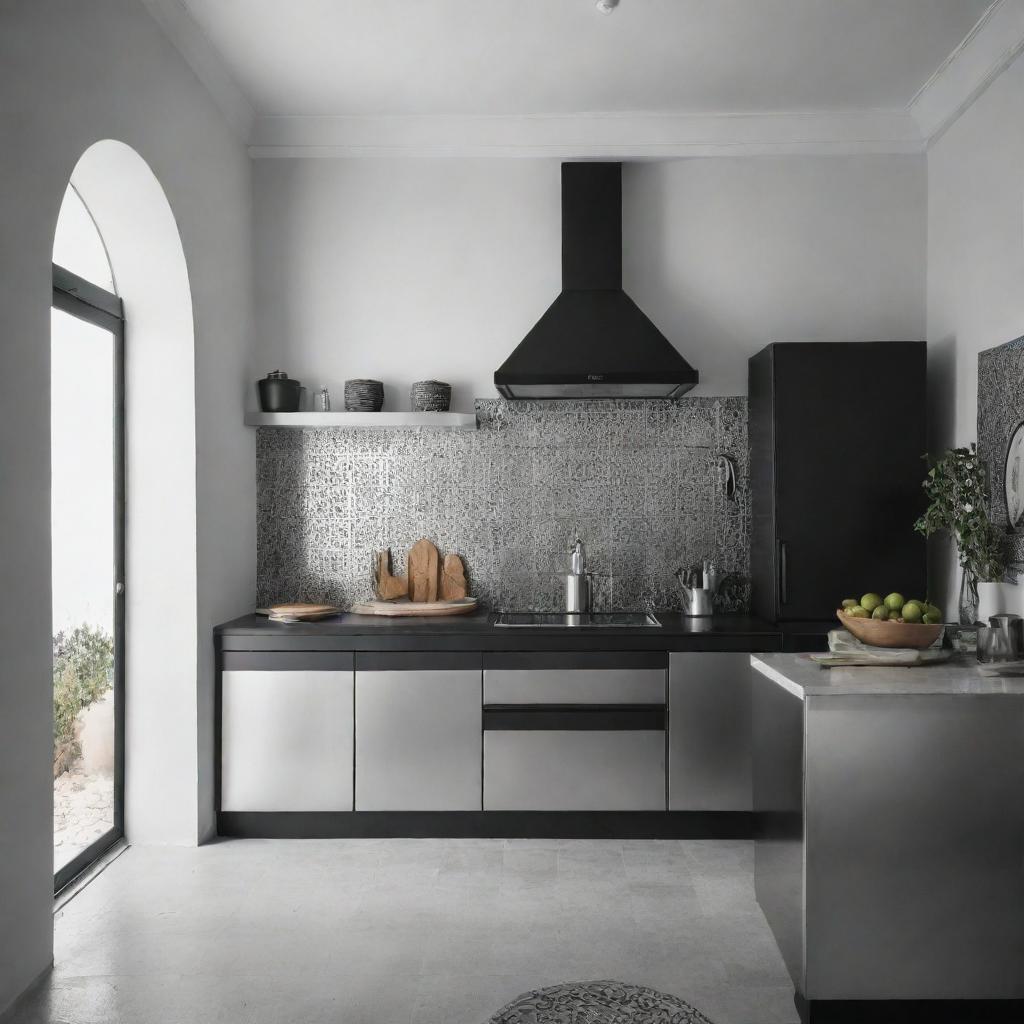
{"x":83,"y":809}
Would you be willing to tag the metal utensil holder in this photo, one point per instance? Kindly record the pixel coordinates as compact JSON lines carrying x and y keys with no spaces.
{"x":698,"y":601}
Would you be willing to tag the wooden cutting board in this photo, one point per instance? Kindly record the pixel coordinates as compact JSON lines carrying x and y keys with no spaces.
{"x":453,"y":579}
{"x":300,"y":611}
{"x":401,"y":608}
{"x":423,"y":571}
{"x":389,"y":587}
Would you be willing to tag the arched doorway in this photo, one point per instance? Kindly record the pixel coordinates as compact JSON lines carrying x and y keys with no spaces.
{"x":116,"y":202}
{"x":87,"y":488}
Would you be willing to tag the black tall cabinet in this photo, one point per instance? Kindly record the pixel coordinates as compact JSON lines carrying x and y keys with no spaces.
{"x":837,"y":431}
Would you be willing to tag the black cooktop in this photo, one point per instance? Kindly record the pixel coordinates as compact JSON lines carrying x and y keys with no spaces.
{"x":589,"y":620}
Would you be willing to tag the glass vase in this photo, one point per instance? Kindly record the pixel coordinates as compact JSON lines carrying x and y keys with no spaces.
{"x":968,"y":604}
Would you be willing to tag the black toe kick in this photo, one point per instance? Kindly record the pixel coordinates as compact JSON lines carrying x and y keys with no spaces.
{"x":909,"y":1011}
{"x":486,"y":824}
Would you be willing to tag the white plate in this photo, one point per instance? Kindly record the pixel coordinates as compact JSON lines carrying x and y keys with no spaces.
{"x":1014,"y":478}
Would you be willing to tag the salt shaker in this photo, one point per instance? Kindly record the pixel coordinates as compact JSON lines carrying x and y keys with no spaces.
{"x":325,"y":400}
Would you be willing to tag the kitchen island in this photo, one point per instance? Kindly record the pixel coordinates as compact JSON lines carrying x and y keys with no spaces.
{"x":890,"y":856}
{"x":359,"y":725}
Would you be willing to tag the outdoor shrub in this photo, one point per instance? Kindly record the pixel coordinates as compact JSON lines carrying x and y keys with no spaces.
{"x":83,"y":671}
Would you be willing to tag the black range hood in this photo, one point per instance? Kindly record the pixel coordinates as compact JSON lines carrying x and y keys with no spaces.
{"x":593,"y":341}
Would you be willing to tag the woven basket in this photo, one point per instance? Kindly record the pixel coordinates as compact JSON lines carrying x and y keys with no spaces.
{"x":431,"y":396}
{"x":364,"y":396}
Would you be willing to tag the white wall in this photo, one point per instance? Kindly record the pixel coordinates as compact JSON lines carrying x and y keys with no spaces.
{"x":71,"y":74}
{"x":405,"y":269}
{"x":402,"y":269}
{"x":975,"y":259}
{"x":151,"y":271}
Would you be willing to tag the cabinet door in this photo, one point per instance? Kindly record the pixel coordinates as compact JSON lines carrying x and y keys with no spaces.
{"x":569,"y":770}
{"x":709,"y":730}
{"x":286,"y":740}
{"x":418,"y":733}
{"x":846,"y":505}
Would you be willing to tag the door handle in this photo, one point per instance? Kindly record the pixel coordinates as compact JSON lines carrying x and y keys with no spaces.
{"x":783,"y":574}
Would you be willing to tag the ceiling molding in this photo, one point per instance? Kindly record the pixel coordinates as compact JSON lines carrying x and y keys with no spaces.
{"x":993,"y":43}
{"x":589,"y":136}
{"x":206,"y":61}
{"x":967,"y":72}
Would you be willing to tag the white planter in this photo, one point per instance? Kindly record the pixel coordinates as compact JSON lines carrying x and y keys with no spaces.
{"x":995,"y":598}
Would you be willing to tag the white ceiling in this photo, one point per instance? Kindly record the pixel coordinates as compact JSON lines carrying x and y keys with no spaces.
{"x":499,"y":57}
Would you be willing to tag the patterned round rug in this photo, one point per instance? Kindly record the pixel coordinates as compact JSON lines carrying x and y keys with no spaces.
{"x":598,"y":1002}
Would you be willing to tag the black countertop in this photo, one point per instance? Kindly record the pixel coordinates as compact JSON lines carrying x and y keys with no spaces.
{"x":478,"y":632}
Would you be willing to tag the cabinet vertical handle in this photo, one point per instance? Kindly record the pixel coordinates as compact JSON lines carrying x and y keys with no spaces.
{"x":783,"y":574}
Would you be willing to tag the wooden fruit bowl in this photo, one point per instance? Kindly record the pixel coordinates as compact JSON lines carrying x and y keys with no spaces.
{"x":882,"y":633}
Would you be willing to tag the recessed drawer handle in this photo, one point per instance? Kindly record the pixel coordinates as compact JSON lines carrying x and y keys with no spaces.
{"x":574,"y":717}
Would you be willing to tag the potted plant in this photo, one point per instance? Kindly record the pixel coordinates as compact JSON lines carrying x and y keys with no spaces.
{"x":957,"y":491}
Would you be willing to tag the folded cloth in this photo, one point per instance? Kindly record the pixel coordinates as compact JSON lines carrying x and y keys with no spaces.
{"x":846,"y":650}
{"x":841,"y":641}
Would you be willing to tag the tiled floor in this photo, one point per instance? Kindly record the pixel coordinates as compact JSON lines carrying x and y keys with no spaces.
{"x":407,"y":931}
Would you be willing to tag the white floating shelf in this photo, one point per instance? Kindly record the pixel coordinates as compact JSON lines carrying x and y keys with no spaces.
{"x":365,"y":420}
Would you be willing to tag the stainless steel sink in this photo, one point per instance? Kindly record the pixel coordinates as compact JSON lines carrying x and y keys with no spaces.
{"x":589,"y":620}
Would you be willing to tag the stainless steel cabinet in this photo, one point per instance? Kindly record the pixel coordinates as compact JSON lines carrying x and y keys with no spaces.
{"x":565,"y":770}
{"x":580,"y":731}
{"x":286,"y":740}
{"x":709,"y":728}
{"x":418,"y":732}
{"x":581,"y":677}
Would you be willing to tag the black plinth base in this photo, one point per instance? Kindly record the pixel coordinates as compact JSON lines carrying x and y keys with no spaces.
{"x":487,"y":824}
{"x":909,"y":1011}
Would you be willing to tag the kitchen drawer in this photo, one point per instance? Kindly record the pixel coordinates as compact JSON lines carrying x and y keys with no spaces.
{"x":574,"y":770}
{"x":286,"y":740}
{"x":575,"y":678}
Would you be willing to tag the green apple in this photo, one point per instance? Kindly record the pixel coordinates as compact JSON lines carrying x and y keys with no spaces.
{"x":894,"y":602}
{"x":912,"y":612}
{"x":881,"y":612}
{"x":870,"y":602}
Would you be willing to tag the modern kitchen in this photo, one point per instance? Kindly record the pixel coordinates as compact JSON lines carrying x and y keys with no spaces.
{"x":522,"y":507}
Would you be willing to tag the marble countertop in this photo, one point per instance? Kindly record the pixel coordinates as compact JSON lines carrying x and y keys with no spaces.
{"x":802,"y":677}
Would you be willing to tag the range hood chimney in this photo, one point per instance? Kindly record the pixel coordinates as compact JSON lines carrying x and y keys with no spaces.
{"x":593,"y":341}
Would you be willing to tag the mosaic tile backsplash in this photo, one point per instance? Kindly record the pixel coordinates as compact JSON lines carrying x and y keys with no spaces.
{"x":639,"y":482}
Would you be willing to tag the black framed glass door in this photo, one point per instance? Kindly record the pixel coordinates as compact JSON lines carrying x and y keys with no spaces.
{"x":87,"y":541}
